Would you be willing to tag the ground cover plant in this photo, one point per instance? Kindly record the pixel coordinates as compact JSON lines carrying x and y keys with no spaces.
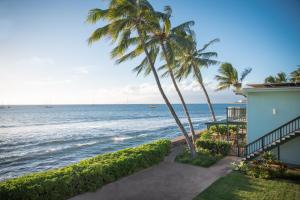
{"x":266,"y":167}
{"x":203,"y":158}
{"x":208,"y":153}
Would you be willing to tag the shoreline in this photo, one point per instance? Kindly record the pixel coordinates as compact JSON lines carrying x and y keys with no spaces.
{"x":179,"y":140}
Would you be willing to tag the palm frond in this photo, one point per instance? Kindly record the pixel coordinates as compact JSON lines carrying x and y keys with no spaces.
{"x":186,"y":26}
{"x":144,"y":66}
{"x":208,"y":54}
{"x":208,"y":44}
{"x":95,"y":15}
{"x":99,"y":33}
{"x":133,"y":54}
{"x":270,"y":79}
{"x":295,"y":75}
{"x":281,"y":77}
{"x":245,"y":73}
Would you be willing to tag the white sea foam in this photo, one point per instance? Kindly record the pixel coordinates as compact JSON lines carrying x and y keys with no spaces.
{"x":39,"y":135}
{"x":121,"y":138}
{"x":85,"y":144}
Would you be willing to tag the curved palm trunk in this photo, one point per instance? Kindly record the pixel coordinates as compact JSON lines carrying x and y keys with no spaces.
{"x":179,"y":94}
{"x":171,"y":109}
{"x":199,"y":79}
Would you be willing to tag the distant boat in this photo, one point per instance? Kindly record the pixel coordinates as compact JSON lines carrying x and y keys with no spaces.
{"x":152,"y":106}
{"x":48,"y":106}
{"x":4,"y":107}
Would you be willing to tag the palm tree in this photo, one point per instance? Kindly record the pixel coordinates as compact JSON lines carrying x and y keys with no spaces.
{"x":270,"y":79}
{"x":124,"y":19}
{"x":279,"y":78}
{"x":228,"y":77}
{"x":295,"y":75}
{"x":191,"y":60}
{"x":162,"y":35}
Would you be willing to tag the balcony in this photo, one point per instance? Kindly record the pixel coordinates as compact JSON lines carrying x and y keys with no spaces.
{"x":236,"y":114}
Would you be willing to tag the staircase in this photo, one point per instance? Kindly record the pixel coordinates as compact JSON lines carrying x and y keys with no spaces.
{"x":273,"y":139}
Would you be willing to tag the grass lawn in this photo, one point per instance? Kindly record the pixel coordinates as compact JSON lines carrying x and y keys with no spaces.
{"x":203,"y":159}
{"x":239,"y":186}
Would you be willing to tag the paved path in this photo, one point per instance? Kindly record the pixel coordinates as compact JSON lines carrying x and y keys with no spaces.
{"x":166,"y":181}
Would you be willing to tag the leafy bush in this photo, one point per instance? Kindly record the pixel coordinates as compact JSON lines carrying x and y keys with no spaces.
{"x":203,"y":158}
{"x":239,"y":166}
{"x":222,"y":129}
{"x":87,"y":175}
{"x":268,"y":156}
{"x":266,"y":167}
{"x":206,"y":135}
{"x":214,"y":147}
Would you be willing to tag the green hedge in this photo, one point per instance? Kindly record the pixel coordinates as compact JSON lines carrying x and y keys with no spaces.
{"x":215,"y":147}
{"x":87,"y":175}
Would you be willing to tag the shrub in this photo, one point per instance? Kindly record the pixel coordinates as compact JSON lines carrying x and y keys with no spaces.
{"x":86,"y":175}
{"x":268,"y":156}
{"x":206,"y":135}
{"x":222,"y":129}
{"x":203,"y":158}
{"x":214,"y":147}
{"x":266,"y":167}
{"x":239,"y":166}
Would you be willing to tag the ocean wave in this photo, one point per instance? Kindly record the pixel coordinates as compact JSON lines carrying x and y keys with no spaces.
{"x":121,"y":138}
{"x":86,"y":144}
{"x":34,"y":139}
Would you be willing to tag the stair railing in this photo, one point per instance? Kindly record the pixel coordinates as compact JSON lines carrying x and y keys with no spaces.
{"x":273,"y":136}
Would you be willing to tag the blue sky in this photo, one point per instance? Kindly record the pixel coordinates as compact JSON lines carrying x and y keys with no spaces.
{"x":45,"y":59}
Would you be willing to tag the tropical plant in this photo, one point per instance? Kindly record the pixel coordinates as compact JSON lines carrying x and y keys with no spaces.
{"x":214,"y":147}
{"x":295,"y":75}
{"x":279,"y":78}
{"x":190,"y":61}
{"x":228,"y":77}
{"x":169,"y":38}
{"x":270,"y":79}
{"x":128,"y":25}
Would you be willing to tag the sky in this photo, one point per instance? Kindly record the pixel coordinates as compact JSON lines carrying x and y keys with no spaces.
{"x":45,"y":58}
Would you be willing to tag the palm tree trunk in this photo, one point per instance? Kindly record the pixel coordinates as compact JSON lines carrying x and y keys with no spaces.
{"x":171,"y":109}
{"x":179,"y":94}
{"x":199,"y":79}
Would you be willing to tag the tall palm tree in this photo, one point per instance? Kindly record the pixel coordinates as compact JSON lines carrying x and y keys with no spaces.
{"x":125,"y":18}
{"x":295,"y":75}
{"x":162,"y":35}
{"x":191,"y":60}
{"x":279,"y":78}
{"x":228,"y":77}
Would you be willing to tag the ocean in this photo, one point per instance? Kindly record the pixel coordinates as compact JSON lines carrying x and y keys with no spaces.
{"x":37,"y":138}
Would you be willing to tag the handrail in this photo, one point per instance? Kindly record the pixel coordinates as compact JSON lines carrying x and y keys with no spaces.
{"x":272,"y":136}
{"x":236,"y":113}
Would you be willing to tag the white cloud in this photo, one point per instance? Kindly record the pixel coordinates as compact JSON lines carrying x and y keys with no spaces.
{"x":36,"y":60}
{"x":149,"y":93}
{"x":82,"y":71}
{"x":48,"y":82}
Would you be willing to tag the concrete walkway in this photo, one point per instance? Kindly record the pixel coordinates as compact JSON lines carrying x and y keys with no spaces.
{"x":168,"y":181}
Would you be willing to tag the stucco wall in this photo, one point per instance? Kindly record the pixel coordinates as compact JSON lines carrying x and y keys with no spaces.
{"x":261,"y":119}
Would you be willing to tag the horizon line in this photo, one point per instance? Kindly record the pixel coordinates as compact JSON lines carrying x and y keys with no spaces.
{"x":71,"y":104}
